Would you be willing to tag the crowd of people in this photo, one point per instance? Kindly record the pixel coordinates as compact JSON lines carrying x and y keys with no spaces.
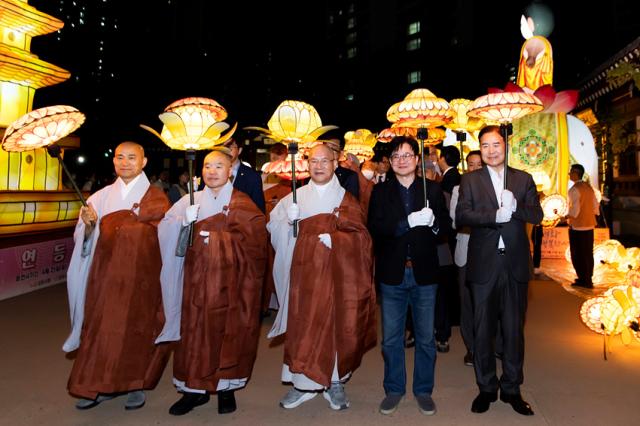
{"x":153,"y":274}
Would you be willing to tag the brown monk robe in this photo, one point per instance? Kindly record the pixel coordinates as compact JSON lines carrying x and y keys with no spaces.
{"x":223,"y":279}
{"x":366,"y":186}
{"x":342,"y":292}
{"x":123,"y":307}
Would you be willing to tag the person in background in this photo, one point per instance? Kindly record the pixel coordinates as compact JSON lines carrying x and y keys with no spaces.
{"x":180,"y":189}
{"x":243,"y":177}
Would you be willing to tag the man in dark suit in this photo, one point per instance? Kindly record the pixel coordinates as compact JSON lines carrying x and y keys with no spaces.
{"x":498,"y":267}
{"x":447,"y":299}
{"x":405,"y":236}
{"x":243,"y":177}
{"x":348,"y":178}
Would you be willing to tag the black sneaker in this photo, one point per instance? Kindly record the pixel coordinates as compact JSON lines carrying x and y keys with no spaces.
{"x":468,"y":359}
{"x":188,"y":402}
{"x":442,"y":346}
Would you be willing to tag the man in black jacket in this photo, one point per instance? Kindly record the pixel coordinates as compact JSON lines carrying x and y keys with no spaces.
{"x":498,"y":266}
{"x":405,"y":236}
{"x":243,"y":177}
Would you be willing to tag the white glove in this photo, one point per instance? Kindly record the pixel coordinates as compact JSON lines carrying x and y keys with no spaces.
{"x":190,"y":214}
{"x":293,"y":212}
{"x":429,"y":215}
{"x":503,"y":215}
{"x":325,"y":239}
{"x":419,"y":218}
{"x":508,"y":201}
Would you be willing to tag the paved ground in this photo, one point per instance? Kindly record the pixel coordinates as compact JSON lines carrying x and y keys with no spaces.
{"x":566,"y":379}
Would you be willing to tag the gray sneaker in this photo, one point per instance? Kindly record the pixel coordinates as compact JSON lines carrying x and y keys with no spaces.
{"x":336,"y":396}
{"x":390,"y":404}
{"x":85,"y":404}
{"x":135,"y":400}
{"x":294,"y":397}
{"x":426,"y":404}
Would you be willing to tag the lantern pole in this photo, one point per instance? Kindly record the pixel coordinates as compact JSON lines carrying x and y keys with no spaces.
{"x":293,"y":150}
{"x":461,"y":136}
{"x":506,"y":129}
{"x":422,"y":134}
{"x":55,"y":151}
{"x":190,"y":155}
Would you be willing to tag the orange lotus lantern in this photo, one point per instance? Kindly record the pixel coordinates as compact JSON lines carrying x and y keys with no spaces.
{"x":421,"y":110}
{"x":42,"y":128}
{"x":554,"y":208}
{"x":360,"y":143}
{"x":504,"y":107}
{"x":386,"y":135}
{"x":296,"y":124}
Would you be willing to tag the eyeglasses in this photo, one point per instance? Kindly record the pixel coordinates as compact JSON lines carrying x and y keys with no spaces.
{"x":404,"y":157}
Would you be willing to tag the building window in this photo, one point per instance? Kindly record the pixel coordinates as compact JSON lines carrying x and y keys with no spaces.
{"x":351,"y":23}
{"x":351,"y":52}
{"x":352,"y":8}
{"x":414,"y":28}
{"x":351,"y":38}
{"x":414,"y":77}
{"x":414,"y":44}
{"x":349,"y":97}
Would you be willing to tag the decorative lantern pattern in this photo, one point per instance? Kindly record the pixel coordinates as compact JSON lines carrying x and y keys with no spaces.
{"x":360,"y":143}
{"x":554,"y":208}
{"x":504,"y":107}
{"x":420,"y":108}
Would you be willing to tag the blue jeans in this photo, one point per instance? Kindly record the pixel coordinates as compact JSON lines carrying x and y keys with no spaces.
{"x":422,"y":300}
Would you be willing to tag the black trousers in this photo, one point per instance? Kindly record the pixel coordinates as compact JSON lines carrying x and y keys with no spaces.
{"x":499,"y":301}
{"x":466,"y":309}
{"x":536,"y":237}
{"x":581,"y":246}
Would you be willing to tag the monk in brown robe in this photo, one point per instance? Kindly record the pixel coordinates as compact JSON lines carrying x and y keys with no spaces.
{"x":213,"y":307}
{"x":116,"y":264}
{"x":324,"y":285}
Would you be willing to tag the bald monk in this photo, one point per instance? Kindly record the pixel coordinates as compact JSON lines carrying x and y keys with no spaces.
{"x":324,"y":284}
{"x":212,"y":293}
{"x":114,"y":289}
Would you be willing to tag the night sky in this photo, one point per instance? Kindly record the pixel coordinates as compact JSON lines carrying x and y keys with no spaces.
{"x":249,"y":56}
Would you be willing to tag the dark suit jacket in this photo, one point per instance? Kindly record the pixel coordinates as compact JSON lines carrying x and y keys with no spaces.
{"x":477,"y":208}
{"x":249,"y":182}
{"x":348,"y":180}
{"x":449,"y":180}
{"x":391,"y":235}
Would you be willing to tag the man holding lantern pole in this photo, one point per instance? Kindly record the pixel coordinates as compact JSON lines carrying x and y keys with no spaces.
{"x":324,"y":283}
{"x":212,"y":293}
{"x":498,"y":266}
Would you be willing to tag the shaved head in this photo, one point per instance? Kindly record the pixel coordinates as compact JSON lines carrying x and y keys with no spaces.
{"x":219,"y":152}
{"x":132,"y":145}
{"x":129,"y":160}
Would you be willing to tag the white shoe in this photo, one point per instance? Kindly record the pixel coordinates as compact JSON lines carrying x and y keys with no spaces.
{"x":336,"y":396}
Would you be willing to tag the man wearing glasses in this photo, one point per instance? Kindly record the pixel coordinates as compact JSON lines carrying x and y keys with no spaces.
{"x":405,"y":237}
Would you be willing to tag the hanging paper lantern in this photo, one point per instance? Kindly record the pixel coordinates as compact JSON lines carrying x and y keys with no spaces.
{"x":282,"y":168}
{"x":504,"y":107}
{"x":590,"y":313}
{"x":386,"y":135}
{"x":42,"y":127}
{"x":420,"y":108}
{"x":434,"y":136}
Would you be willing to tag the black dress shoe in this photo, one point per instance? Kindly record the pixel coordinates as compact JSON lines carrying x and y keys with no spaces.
{"x":226,"y":402}
{"x":482,"y":401}
{"x":188,"y":402}
{"x":519,"y":405}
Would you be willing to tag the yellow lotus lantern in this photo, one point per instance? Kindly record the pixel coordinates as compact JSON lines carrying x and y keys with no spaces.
{"x":43,"y":128}
{"x":461,"y":123}
{"x":554,"y":208}
{"x":630,"y":260}
{"x":608,"y":252}
{"x":298,"y":125}
{"x":615,"y":312}
{"x":434,"y":137}
{"x":360,"y":143}
{"x":190,"y":125}
{"x":193,"y":124}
